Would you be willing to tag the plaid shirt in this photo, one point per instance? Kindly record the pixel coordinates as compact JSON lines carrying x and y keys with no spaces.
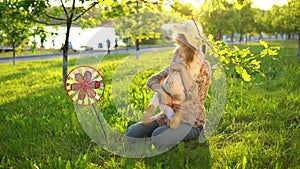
{"x":192,"y":109}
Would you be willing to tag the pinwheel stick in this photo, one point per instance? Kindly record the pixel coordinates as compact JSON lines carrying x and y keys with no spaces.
{"x":100,"y":123}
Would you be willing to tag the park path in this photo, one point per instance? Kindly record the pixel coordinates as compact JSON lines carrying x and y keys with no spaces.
{"x":76,"y":54}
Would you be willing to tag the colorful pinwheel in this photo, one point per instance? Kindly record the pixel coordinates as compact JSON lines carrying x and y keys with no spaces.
{"x":85,"y":85}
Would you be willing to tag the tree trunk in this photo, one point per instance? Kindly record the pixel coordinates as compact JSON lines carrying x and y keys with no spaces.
{"x":65,"y":53}
{"x":137,"y":47}
{"x":231,"y":38}
{"x":14,"y":54}
{"x":298,"y":52}
{"x":241,"y":37}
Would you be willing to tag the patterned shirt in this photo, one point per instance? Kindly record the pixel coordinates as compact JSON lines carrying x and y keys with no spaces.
{"x":192,"y":108}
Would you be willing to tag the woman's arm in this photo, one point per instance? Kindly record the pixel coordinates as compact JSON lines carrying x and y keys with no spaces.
{"x":185,"y":75}
{"x":203,"y":80}
{"x":153,"y":82}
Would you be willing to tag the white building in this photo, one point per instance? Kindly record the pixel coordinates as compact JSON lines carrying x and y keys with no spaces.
{"x":94,"y":38}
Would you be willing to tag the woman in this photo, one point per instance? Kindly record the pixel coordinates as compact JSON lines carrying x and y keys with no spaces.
{"x":190,"y":113}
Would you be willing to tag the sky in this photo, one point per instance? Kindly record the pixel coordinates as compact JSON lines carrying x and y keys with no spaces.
{"x":267,"y":4}
{"x":262,"y":4}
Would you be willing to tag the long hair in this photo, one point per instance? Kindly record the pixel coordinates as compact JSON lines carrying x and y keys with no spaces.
{"x":187,"y":52}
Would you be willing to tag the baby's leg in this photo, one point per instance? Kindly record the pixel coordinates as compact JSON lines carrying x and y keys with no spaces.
{"x":167,"y":110}
{"x":155,"y":100}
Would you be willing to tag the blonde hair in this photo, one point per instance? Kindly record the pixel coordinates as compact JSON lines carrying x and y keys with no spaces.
{"x":187,"y":52}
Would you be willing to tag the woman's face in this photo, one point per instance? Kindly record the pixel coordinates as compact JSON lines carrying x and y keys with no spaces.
{"x":181,"y":48}
{"x":185,"y":52}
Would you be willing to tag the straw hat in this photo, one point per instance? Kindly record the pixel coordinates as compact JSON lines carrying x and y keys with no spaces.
{"x":188,"y":33}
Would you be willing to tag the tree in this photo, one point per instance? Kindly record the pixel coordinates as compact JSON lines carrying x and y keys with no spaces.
{"x":259,"y":22}
{"x":267,"y":21}
{"x":245,"y":17}
{"x":67,"y":15}
{"x":17,"y":25}
{"x":115,"y":10}
{"x":294,"y":21}
{"x":182,"y":10}
{"x":140,"y":26}
{"x":243,"y":62}
{"x":279,"y":20}
{"x":221,"y":19}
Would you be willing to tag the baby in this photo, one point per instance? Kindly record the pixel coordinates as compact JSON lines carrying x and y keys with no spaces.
{"x":172,"y":85}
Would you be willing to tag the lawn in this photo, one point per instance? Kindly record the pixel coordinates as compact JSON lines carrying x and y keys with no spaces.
{"x":39,"y":127}
{"x":29,"y":52}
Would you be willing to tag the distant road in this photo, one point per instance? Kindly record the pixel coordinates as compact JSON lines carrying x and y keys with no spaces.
{"x":75,"y":54}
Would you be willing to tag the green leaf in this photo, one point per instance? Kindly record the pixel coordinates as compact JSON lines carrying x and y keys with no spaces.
{"x":244,"y":162}
{"x":68,"y":165}
{"x":264,"y":53}
{"x":108,"y":2}
{"x":265,"y":44}
{"x":241,"y":71}
{"x":255,"y":63}
{"x":272,"y":52}
{"x":211,"y":37}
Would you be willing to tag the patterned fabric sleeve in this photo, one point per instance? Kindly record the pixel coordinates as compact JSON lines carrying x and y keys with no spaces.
{"x":203,"y":81}
{"x":156,"y":78}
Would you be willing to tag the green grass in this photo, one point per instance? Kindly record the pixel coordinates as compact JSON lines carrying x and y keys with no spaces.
{"x":29,"y":52}
{"x":39,"y":127}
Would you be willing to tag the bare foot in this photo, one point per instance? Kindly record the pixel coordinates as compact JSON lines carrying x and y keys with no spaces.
{"x":175,"y":121}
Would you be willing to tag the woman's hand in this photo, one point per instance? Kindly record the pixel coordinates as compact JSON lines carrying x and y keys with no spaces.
{"x":176,"y":66}
{"x":176,"y":107}
{"x":185,"y":74}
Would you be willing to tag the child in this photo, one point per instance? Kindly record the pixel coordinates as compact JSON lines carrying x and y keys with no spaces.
{"x":173,"y":85}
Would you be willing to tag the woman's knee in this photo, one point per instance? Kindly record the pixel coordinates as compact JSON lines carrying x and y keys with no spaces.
{"x":134,"y":130}
{"x":166,"y":136}
{"x":138,"y":130}
{"x":161,"y":137}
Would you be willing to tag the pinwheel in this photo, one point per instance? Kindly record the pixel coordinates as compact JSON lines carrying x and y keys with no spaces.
{"x":85,"y":86}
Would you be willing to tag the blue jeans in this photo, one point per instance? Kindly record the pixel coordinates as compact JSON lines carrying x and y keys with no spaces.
{"x":164,"y":135}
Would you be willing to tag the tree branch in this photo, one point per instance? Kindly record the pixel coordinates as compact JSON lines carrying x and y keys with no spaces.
{"x":70,"y":19}
{"x":56,"y":18}
{"x":86,"y":10}
{"x":66,"y":12}
{"x":50,"y":24}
